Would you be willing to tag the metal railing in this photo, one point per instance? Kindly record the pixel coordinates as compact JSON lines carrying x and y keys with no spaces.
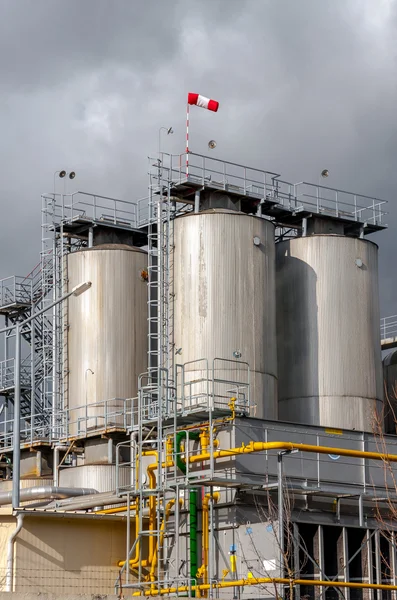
{"x":262,"y":184}
{"x":7,"y":374}
{"x":219,"y":174}
{"x":15,"y":290}
{"x":340,"y":203}
{"x":200,"y":387}
{"x":86,"y":419}
{"x":388,"y":327}
{"x":33,"y":428}
{"x":67,"y":208}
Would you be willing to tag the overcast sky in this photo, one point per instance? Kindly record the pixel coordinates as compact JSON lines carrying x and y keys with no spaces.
{"x":303,"y":85}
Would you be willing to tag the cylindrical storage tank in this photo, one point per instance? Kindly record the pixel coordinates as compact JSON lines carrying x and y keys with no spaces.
{"x":98,"y":477}
{"x":390,"y":390}
{"x":224,"y":284}
{"x":107,"y":335}
{"x":328,"y":332}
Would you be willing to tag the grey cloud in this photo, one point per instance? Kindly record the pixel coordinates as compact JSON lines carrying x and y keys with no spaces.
{"x":86,"y":85}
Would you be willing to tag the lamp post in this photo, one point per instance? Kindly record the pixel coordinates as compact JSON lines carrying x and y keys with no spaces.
{"x":168,"y":130}
{"x":16,"y":459}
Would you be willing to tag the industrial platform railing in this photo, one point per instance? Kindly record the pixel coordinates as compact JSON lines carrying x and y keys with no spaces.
{"x":388,"y":327}
{"x":7,"y":374}
{"x":15,"y":291}
{"x":340,"y":203}
{"x":242,"y":180}
{"x":91,"y":418}
{"x":35,"y":429}
{"x":84,"y":206}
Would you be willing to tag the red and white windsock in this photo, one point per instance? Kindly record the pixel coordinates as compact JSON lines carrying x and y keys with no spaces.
{"x":202,"y":102}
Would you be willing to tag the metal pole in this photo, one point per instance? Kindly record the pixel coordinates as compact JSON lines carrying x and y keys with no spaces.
{"x":127,"y":569}
{"x":197,"y":201}
{"x":16,"y":459}
{"x":280,"y":514}
{"x":187,"y":141}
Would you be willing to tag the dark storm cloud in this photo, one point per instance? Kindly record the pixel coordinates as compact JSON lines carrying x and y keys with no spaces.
{"x":303,"y":85}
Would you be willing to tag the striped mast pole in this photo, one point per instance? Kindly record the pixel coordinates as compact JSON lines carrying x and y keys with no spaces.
{"x":187,"y":140}
{"x":202,"y":102}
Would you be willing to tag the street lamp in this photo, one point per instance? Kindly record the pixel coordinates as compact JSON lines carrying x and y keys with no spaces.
{"x":169,"y":131}
{"x":16,"y":459}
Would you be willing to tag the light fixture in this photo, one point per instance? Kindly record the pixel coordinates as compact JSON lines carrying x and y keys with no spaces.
{"x":170,"y":130}
{"x":179,"y":351}
{"x":62,"y":174}
{"x":81,"y":288}
{"x":324,"y":173}
{"x":72,"y":175}
{"x":212,"y":144}
{"x":257,"y":241}
{"x":237,"y":354}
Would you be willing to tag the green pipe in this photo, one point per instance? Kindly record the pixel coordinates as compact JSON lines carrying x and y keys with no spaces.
{"x":180,"y":435}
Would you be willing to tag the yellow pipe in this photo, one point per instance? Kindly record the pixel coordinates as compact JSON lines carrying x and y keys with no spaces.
{"x":168,"y":509}
{"x":248,"y":449}
{"x":205,"y":535}
{"x":152,"y":501}
{"x":204,"y":440}
{"x":264,"y":581}
{"x":111,"y":511}
{"x":263,"y":446}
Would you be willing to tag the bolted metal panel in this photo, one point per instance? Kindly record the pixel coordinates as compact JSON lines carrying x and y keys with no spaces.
{"x":328,"y":331}
{"x":225,"y":300}
{"x":101,"y":477}
{"x":107,"y":335}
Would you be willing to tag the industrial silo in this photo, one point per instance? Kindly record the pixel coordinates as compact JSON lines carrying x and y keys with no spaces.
{"x":328,"y":332}
{"x":390,"y":391}
{"x":224,"y":283}
{"x":107,"y":334}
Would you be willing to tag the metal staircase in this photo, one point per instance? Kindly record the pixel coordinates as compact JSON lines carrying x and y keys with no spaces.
{"x":18,"y":298}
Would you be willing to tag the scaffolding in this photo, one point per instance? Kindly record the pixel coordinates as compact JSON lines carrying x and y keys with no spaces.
{"x":175,"y":418}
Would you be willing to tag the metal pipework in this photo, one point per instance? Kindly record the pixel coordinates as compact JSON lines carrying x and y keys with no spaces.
{"x":210,"y":497}
{"x":264,"y":446}
{"x":168,"y":509}
{"x":244,"y":449}
{"x":57,"y":449}
{"x":266,"y":581}
{"x":10,"y":554}
{"x":46,"y":492}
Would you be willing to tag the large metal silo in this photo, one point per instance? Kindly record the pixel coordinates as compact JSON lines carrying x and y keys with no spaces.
{"x":224,"y":283}
{"x":107,"y":335}
{"x":328,"y":331}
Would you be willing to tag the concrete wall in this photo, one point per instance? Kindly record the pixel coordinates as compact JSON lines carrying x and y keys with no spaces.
{"x":64,"y":556}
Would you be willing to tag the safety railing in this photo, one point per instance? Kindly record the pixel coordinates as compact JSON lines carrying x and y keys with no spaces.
{"x":88,"y":419}
{"x":85,"y":206}
{"x":15,"y":290}
{"x":219,"y":174}
{"x":7,"y":374}
{"x":262,"y":184}
{"x":388,"y":327}
{"x":204,"y":387}
{"x":340,"y":203}
{"x":33,"y":428}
